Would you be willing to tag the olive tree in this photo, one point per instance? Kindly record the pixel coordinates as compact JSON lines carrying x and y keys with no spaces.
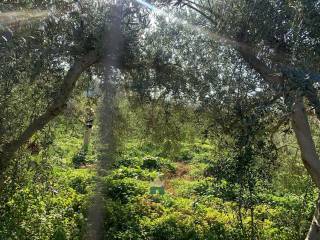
{"x":279,"y":40}
{"x":43,"y":61}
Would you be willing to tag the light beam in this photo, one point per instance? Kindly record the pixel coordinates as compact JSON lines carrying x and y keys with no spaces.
{"x":13,"y":18}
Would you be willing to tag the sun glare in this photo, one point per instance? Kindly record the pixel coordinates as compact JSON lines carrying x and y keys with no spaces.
{"x":14,"y":18}
{"x":171,"y":17}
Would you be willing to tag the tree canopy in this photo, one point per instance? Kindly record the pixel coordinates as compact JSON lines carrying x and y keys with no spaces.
{"x":237,"y":80}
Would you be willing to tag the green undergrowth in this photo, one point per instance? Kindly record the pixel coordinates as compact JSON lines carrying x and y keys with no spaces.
{"x":49,"y":201}
{"x":52,"y":200}
{"x":196,"y":204}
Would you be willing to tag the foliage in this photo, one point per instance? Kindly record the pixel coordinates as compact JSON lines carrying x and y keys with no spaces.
{"x":201,"y":96}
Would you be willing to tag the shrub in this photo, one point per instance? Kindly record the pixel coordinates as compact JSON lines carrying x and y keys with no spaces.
{"x":128,"y":162}
{"x":151,"y":163}
{"x":59,"y":234}
{"x":80,"y":184}
{"x":157,"y":163}
{"x":80,"y":158}
{"x":185,"y":155}
{"x":175,"y":226}
{"x":122,"y":221}
{"x":137,"y":173}
{"x":124,"y":190}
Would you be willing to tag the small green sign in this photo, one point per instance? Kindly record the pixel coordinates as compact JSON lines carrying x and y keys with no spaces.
{"x":157,"y":190}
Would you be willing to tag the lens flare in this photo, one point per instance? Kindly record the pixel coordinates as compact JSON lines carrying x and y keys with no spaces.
{"x":14,"y":18}
{"x":148,"y":5}
{"x":187,"y":24}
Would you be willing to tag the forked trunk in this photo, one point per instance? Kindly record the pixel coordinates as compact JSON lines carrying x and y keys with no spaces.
{"x":314,"y":230}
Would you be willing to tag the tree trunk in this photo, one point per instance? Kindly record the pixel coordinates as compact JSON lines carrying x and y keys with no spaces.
{"x":88,"y":128}
{"x":107,"y":118}
{"x":86,"y":138}
{"x":309,"y":157}
{"x":314,"y":230}
{"x":303,"y":134}
{"x":9,"y":149}
{"x":300,"y":126}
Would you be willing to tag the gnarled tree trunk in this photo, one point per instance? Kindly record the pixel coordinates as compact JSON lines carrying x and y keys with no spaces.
{"x":9,"y":149}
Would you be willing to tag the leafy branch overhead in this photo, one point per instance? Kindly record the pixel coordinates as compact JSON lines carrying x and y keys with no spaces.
{"x":99,"y":99}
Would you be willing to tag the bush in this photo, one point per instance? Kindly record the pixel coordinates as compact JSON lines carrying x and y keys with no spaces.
{"x":185,"y":155}
{"x":80,"y":158}
{"x":151,"y":163}
{"x":157,"y":163}
{"x":128,"y":162}
{"x":59,"y":234}
{"x":122,"y":221}
{"x":124,"y":190}
{"x":181,"y":226}
{"x":80,"y":184}
{"x":137,"y":173}
{"x":174,"y":226}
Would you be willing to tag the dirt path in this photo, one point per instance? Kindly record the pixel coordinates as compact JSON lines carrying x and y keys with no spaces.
{"x":182,"y":171}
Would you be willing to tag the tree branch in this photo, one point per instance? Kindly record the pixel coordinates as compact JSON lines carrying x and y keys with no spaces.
{"x":9,"y":149}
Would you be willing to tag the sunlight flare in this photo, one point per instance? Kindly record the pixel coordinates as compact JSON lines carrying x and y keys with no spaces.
{"x":179,"y":20}
{"x":13,"y":18}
